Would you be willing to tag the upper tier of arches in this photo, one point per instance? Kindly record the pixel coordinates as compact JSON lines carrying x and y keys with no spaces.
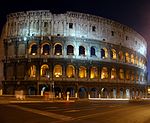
{"x":44,"y":23}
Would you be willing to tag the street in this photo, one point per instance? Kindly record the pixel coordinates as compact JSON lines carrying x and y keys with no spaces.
{"x":76,"y":112}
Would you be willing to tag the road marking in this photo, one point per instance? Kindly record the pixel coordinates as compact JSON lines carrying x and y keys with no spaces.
{"x":49,"y":114}
{"x":71,"y":111}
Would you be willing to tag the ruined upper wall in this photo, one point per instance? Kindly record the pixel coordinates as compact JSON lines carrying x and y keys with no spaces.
{"x":43,"y":22}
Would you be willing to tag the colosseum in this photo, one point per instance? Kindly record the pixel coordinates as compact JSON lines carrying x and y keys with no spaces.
{"x":83,"y":55}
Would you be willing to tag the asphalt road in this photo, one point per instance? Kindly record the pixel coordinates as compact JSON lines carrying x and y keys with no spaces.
{"x":76,"y":112}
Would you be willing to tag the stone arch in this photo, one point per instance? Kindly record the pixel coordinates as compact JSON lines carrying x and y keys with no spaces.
{"x":32,"y":90}
{"x":82,"y":92}
{"x":71,"y":91}
{"x":93,"y":93}
{"x":104,"y":92}
{"x":45,"y":48}
{"x":58,"y":49}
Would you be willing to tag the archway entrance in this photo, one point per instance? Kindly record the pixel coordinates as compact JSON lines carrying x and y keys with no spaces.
{"x":93,"y":93}
{"x":32,"y":91}
{"x":82,"y":92}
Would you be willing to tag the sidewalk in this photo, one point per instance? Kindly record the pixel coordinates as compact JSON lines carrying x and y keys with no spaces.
{"x":4,"y":99}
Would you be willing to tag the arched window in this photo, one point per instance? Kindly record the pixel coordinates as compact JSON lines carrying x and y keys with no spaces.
{"x":93,"y":72}
{"x":82,"y":72}
{"x":44,"y":70}
{"x":127,"y":75}
{"x":93,"y":51}
{"x":127,"y":58}
{"x":33,"y":49}
{"x":121,"y":74}
{"x":70,"y":50}
{"x":45,"y":49}
{"x":81,"y":50}
{"x":104,"y":53}
{"x":58,"y":49}
{"x":136,"y":60}
{"x":113,"y":73}
{"x":132,"y":76}
{"x":113,"y":54}
{"x":132,"y":58}
{"x":70,"y":71}
{"x":57,"y":71}
{"x":104,"y":73}
{"x":32,"y":71}
{"x":121,"y":56}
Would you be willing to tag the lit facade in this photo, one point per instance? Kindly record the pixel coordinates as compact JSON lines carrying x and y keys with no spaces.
{"x":86,"y":55}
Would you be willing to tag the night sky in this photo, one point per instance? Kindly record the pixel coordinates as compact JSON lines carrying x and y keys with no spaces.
{"x":133,"y":13}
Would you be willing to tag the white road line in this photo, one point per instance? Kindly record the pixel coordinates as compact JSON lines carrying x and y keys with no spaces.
{"x":48,"y":114}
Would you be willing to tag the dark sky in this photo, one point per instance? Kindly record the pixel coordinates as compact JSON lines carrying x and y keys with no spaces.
{"x":133,"y":13}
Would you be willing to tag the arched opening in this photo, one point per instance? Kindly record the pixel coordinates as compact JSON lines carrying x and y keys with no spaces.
{"x":57,"y":71}
{"x":71,"y":91}
{"x":82,"y":93}
{"x":58,"y":49}
{"x":127,"y":75}
{"x":127,"y":58}
{"x":81,"y":50}
{"x":58,"y":92}
{"x":33,"y":49}
{"x":113,"y":54}
{"x":104,"y":93}
{"x":70,"y":71}
{"x":132,"y":58}
{"x":44,"y":88}
{"x":121,"y":56}
{"x":114,"y":92}
{"x":113,"y":73}
{"x":45,"y":49}
{"x":32,"y":90}
{"x":93,"y":51}
{"x":32,"y":71}
{"x":44,"y":70}
{"x":104,"y":53}
{"x":93,"y":72}
{"x":93,"y":93}
{"x":127,"y":93}
{"x":70,"y":50}
{"x":121,"y":74}
{"x":82,"y":72}
{"x":121,"y":92}
{"x":136,"y":60}
{"x":132,"y":76}
{"x":104,"y":73}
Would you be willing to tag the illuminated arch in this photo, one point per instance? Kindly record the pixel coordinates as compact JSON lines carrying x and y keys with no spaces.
{"x":33,"y":49}
{"x":70,"y":50}
{"x":113,"y":54}
{"x":45,"y":49}
{"x":32,"y":71}
{"x":136,"y":60}
{"x":113,"y":73}
{"x":58,"y":49}
{"x":93,"y":72}
{"x":132,"y":59}
{"x":127,"y":75}
{"x":57,"y":71}
{"x":44,"y":70}
{"x":127,"y":58}
{"x":82,"y":72}
{"x":104,"y":53}
{"x":70,"y":71}
{"x":81,"y":50}
{"x":104,"y":73}
{"x":120,"y":56}
{"x":121,"y":74}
